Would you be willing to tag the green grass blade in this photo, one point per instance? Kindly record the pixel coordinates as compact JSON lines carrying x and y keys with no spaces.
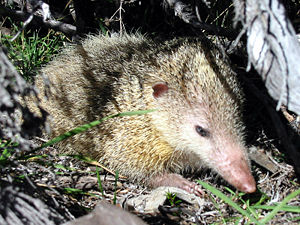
{"x":133,"y":113}
{"x":217,"y":207}
{"x":87,"y":126}
{"x":99,"y":181}
{"x":295,"y":219}
{"x":116,"y":184}
{"x":280,"y":206}
{"x":295,"y":209}
{"x":73,"y":191}
{"x":228,"y":201}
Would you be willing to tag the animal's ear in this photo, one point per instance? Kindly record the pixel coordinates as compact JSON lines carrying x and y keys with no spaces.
{"x":159,"y":89}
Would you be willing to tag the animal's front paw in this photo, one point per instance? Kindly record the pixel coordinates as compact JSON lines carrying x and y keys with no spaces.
{"x":176,"y":180}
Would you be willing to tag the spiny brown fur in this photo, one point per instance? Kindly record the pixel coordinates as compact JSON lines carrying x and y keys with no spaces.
{"x":108,"y":75}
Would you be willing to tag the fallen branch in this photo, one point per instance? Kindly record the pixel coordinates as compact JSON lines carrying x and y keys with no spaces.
{"x":186,"y":13}
{"x":273,"y":49}
{"x":67,"y":29}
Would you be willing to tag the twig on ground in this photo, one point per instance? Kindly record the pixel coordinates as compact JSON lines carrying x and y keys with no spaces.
{"x":24,"y":16}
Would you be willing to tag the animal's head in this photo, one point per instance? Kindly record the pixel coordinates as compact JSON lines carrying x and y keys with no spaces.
{"x":199,"y":114}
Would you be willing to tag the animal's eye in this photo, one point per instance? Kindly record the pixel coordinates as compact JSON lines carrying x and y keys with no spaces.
{"x":201,"y":131}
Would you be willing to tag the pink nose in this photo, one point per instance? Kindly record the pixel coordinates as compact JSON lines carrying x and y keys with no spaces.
{"x":246,"y":185}
{"x":238,"y":174}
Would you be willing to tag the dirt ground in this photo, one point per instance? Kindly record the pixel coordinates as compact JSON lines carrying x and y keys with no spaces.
{"x":68,"y":188}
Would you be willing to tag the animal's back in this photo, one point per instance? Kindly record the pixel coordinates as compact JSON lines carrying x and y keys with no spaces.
{"x":105,"y":76}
